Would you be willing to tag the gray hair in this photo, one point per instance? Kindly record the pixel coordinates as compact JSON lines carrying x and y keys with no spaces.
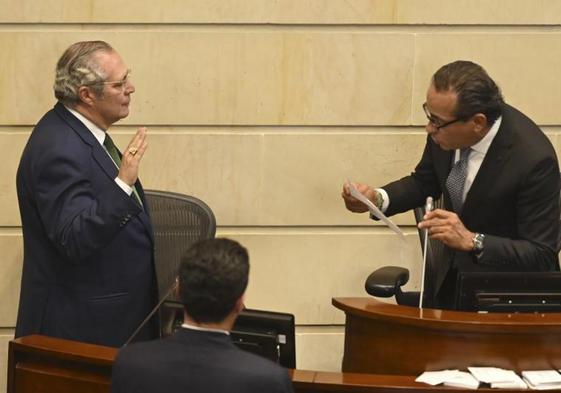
{"x":78,"y":67}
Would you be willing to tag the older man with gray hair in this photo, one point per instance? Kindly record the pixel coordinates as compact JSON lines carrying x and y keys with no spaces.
{"x":88,"y":272}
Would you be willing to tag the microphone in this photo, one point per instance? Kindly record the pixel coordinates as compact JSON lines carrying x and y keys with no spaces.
{"x":428,"y":207}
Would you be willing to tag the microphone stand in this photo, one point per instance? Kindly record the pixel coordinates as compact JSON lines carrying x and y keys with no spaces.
{"x":428,"y":208}
{"x":139,"y":328}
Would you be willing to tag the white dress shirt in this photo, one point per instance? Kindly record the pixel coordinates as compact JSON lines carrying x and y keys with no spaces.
{"x":202,"y":329}
{"x":99,"y":134}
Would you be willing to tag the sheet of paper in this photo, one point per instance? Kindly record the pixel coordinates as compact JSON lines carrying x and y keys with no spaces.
{"x":436,"y":377}
{"x":542,"y":379}
{"x":493,"y":375}
{"x":374,"y":210}
{"x":462,"y":379}
{"x":542,"y":376}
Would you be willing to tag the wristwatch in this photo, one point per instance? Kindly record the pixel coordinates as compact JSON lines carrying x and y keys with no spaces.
{"x":379,"y":200}
{"x":478,"y":243}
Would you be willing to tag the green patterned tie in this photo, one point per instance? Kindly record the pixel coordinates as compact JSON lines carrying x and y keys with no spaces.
{"x":114,"y":153}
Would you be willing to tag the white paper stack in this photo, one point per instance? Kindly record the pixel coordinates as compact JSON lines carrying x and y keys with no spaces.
{"x":456,"y":378}
{"x":542,"y":379}
{"x":498,"y":378}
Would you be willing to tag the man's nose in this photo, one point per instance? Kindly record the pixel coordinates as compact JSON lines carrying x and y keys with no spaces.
{"x":130,"y":88}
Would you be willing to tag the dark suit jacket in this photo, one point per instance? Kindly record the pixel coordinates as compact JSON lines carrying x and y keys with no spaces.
{"x":514,"y":199}
{"x":195,"y":362}
{"x":88,"y":271}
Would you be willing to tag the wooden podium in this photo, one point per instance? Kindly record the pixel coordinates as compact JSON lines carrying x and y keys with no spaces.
{"x":382,"y":338}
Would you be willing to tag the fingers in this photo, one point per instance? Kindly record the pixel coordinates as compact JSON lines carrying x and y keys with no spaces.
{"x":128,"y":171}
{"x":137,"y":139}
{"x":138,"y":144}
{"x":438,"y":217}
{"x":346,"y":190}
{"x":439,"y":213}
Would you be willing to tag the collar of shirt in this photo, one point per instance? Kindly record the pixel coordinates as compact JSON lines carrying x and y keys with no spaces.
{"x":202,"y":329}
{"x":97,"y":132}
{"x":479,"y":150}
{"x":483,"y":145}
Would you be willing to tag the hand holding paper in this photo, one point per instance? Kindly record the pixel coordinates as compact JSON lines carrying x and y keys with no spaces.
{"x":373,"y":209}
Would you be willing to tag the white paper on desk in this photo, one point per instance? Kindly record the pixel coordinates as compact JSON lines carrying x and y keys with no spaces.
{"x":542,"y":379}
{"x":374,"y":210}
{"x":493,"y":374}
{"x":516,"y":383}
{"x":537,"y":377}
{"x":462,"y":379}
{"x":436,"y":377}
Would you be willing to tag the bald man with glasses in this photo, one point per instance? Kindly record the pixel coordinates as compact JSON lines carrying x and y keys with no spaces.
{"x":498,"y":176}
{"x":88,"y":272}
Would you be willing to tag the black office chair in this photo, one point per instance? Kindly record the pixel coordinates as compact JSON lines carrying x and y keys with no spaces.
{"x":508,"y":286}
{"x":178,"y":221}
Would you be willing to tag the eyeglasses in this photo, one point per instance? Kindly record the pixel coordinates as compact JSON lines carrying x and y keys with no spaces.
{"x":437,"y":123}
{"x":121,"y":84}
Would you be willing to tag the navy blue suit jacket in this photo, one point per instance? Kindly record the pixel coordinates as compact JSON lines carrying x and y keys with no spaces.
{"x":88,"y":271}
{"x":195,"y":362}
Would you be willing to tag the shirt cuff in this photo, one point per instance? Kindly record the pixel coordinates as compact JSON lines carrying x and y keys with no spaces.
{"x":124,"y":186}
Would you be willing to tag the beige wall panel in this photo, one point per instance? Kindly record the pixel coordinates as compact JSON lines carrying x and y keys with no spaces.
{"x":4,"y":340}
{"x":300,"y":271}
{"x":251,"y":77}
{"x":11,"y":244}
{"x":296,"y":271}
{"x":224,"y":170}
{"x":320,"y":348}
{"x":255,"y":178}
{"x":305,"y":173}
{"x":258,"y":179}
{"x":285,"y":11}
{"x":11,"y":147}
{"x":479,"y":12}
{"x":526,"y":67}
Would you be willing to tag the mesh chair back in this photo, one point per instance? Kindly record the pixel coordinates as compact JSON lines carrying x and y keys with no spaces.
{"x":178,"y":221}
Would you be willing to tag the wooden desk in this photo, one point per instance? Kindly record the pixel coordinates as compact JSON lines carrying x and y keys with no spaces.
{"x":382,"y":338}
{"x":42,"y":364}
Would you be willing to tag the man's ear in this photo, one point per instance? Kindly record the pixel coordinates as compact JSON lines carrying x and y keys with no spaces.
{"x":481,"y":124}
{"x":240,"y":306}
{"x":86,"y":95}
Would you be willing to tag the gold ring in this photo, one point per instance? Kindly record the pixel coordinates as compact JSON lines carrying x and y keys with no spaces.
{"x":133,"y":151}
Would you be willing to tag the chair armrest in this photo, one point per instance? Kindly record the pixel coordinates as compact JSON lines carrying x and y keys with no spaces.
{"x":386,"y":281}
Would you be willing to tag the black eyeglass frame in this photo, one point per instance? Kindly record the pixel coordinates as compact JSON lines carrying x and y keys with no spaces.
{"x":435,"y":124}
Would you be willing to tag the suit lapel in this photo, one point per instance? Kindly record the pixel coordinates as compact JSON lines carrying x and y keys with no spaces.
{"x":104,"y":161}
{"x":491,"y":167}
{"x":98,"y":152}
{"x":443,"y":165}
